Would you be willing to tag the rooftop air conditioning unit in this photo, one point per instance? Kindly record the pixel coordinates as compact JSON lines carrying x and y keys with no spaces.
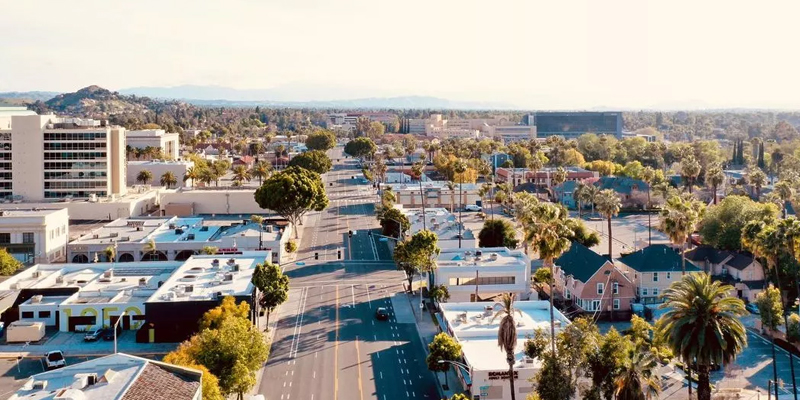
{"x":231,"y":261}
{"x":60,"y":279}
{"x":14,"y":286}
{"x":228,"y":277}
{"x":113,"y":234}
{"x":108,"y":274}
{"x":95,"y":236}
{"x":190,"y":236}
{"x":215,"y":263}
{"x":125,"y":239}
{"x":37,"y":274}
{"x":493,"y":256}
{"x":36,"y":299}
{"x":188,"y":289}
{"x":139,"y":229}
{"x":171,"y":226}
{"x":142,"y":282}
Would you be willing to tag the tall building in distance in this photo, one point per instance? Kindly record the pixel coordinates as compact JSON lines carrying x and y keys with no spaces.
{"x":44,"y":157}
{"x":571,"y":125}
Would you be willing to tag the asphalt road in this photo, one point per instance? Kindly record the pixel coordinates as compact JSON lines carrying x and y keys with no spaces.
{"x":328,"y":344}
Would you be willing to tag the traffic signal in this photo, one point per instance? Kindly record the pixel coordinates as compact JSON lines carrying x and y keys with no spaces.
{"x":338,"y":254}
{"x":350,"y":234}
{"x":316,"y":256}
{"x":370,"y":233}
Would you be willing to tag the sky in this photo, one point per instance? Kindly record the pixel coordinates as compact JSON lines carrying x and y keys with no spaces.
{"x":567,"y":54}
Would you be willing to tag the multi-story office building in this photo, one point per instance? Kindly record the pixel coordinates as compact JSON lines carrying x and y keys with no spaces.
{"x":347,"y":121}
{"x":6,"y":112}
{"x":35,"y":235}
{"x":48,"y":157}
{"x":169,"y":143}
{"x":571,"y":125}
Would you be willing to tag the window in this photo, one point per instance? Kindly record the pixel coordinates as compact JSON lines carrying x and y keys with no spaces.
{"x":27,"y":237}
{"x":44,"y":314}
{"x":27,"y":314}
{"x":5,"y":238}
{"x":655,"y":276}
{"x":616,"y":304}
{"x":600,"y":287}
{"x":595,"y":305}
{"x":644,"y":291}
{"x":655,"y":291}
{"x":567,"y":294}
{"x":669,"y":275}
{"x":615,"y":288}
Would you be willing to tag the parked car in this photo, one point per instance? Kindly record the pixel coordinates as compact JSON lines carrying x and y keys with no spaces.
{"x":94,"y":335}
{"x":752,"y":308}
{"x":472,"y":207}
{"x":108,"y":335}
{"x":381,"y":314}
{"x":55,"y":359}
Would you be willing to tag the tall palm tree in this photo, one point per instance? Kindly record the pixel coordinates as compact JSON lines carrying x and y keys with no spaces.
{"x":144,"y":176}
{"x":418,"y":169}
{"x":168,"y":179}
{"x":638,"y":379}
{"x":241,"y":174}
{"x":679,"y":219}
{"x":507,"y":335}
{"x":702,"y":325}
{"x":261,"y":170}
{"x":608,"y":204}
{"x":714,"y":178}
{"x":690,"y":170}
{"x":191,"y":173}
{"x":589,"y":195}
{"x":649,"y":177}
{"x":451,"y":186}
{"x":535,"y":163}
{"x":785,"y":192}
{"x":485,"y":190}
{"x":577,"y":194}
{"x":559,"y":177}
{"x":757,"y":179}
{"x":548,"y":233}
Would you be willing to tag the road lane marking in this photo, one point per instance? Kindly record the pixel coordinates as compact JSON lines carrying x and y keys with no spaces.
{"x":353,"y":294}
{"x":358,"y":366}
{"x":336,"y":351}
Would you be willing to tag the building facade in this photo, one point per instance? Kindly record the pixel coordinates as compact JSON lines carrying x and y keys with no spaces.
{"x":169,"y":143}
{"x":475,"y":274}
{"x":571,"y":125}
{"x":159,"y":168}
{"x":436,"y":194}
{"x":441,"y":222}
{"x":654,"y":268}
{"x":35,"y":235}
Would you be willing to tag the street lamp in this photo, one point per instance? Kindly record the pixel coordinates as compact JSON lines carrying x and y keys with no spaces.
{"x":465,"y":367}
{"x":115,"y":330}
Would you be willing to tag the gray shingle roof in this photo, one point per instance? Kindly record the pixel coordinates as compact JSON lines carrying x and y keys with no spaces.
{"x":657,"y":258}
{"x":580,"y":262}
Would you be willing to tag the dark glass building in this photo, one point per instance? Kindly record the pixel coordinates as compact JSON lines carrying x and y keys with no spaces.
{"x":570,"y":125}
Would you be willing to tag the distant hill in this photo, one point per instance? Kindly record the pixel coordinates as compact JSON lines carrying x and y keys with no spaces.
{"x":94,"y":101}
{"x":25,"y":97}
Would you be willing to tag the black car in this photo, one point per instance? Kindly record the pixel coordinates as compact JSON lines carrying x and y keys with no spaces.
{"x":381,"y":314}
{"x":108,"y":335}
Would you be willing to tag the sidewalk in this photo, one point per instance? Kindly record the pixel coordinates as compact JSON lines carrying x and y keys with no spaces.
{"x":427,"y":329}
{"x":72,"y":345}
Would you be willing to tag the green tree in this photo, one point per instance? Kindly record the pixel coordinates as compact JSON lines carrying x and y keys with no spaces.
{"x":714,"y":178}
{"x":633,"y":169}
{"x":192,"y":173}
{"x":638,"y":378}
{"x":291,"y":193}
{"x":376,"y":130}
{"x":210,"y":383}
{"x":785,"y":192}
{"x":272,"y":285}
{"x":241,"y":174}
{"x":507,"y":335}
{"x":536,"y":346}
{"x":218,"y":169}
{"x":321,"y":140}
{"x":291,"y":246}
{"x":389,"y":223}
{"x":722,"y":224}
{"x":605,"y":360}
{"x":314,"y":160}
{"x":559,"y":177}
{"x":679,"y":219}
{"x":690,"y":170}
{"x":552,"y":381}
{"x":608,"y":204}
{"x":439,"y":293}
{"x":757,"y":179}
{"x":442,"y":348}
{"x":770,"y":308}
{"x":261,"y":170}
{"x":168,"y":179}
{"x":582,"y":234}
{"x":793,"y":328}
{"x":209,"y":250}
{"x":213,"y":318}
{"x":360,"y":147}
{"x":715,"y":341}
{"x":144,"y":176}
{"x":110,"y":254}
{"x":497,"y":233}
{"x":8,"y":264}
{"x":418,"y":255}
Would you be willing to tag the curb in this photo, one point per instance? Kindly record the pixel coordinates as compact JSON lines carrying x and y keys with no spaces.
{"x":424,"y":344}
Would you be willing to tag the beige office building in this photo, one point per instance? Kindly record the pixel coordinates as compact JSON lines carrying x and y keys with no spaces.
{"x":44,"y":157}
{"x":169,"y":143}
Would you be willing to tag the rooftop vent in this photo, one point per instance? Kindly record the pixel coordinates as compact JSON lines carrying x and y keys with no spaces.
{"x":493,"y":256}
{"x":95,"y":236}
{"x":113,"y":234}
{"x":142,"y":282}
{"x":228,"y":277}
{"x":215,"y":262}
{"x":60,"y":279}
{"x":37,"y":274}
{"x":36,"y":299}
{"x":108,"y":274}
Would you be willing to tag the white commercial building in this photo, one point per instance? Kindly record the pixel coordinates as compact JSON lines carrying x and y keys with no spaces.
{"x":6,"y":112}
{"x":114,"y":377}
{"x":441,"y":222}
{"x":476,"y":273}
{"x":47,"y":157}
{"x":176,"y":239}
{"x":436,"y":194}
{"x":169,"y":143}
{"x":35,"y":235}
{"x":471,"y":325}
{"x":158,"y":168}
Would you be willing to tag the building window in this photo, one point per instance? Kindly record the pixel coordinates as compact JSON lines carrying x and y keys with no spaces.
{"x":600,"y":287}
{"x":595,"y":305}
{"x":655,"y":291}
{"x":616,"y":304}
{"x":644,"y":291}
{"x":669,"y":275}
{"x":44,"y":314}
{"x":567,"y":294}
{"x":27,"y":314}
{"x":5,"y":238}
{"x":655,"y":276}
{"x":615,"y":288}
{"x":27,"y":237}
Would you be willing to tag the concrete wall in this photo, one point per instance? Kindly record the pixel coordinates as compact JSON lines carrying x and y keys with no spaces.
{"x":116,"y":161}
{"x":28,"y":156}
{"x":157,"y":169}
{"x":102,"y":210}
{"x":214,"y":201}
{"x":103,"y":312}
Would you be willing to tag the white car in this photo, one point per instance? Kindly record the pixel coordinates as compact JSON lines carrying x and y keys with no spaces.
{"x":55,"y":359}
{"x":472,"y":207}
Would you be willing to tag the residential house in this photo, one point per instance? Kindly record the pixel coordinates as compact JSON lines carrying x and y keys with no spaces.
{"x":593,"y":283}
{"x":632,"y":192}
{"x":654,"y":268}
{"x":741,"y":270}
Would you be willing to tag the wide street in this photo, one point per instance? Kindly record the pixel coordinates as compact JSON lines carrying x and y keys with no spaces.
{"x":328,"y":344}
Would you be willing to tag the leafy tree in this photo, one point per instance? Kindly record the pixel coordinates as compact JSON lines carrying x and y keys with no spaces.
{"x":439,"y":293}
{"x":785,"y":192}
{"x":770,"y":308}
{"x":608,"y":204}
{"x":291,"y":193}
{"x":209,"y":250}
{"x":459,"y":396}
{"x":605,"y":361}
{"x":536,"y":346}
{"x":389,"y":223}
{"x":793,"y":328}
{"x":168,"y":179}
{"x":321,"y":140}
{"x":314,"y":160}
{"x":417,"y":255}
{"x":213,"y":318}
{"x":110,"y":253}
{"x":144,"y":176}
{"x":291,"y":246}
{"x":507,"y":335}
{"x":721,"y":336}
{"x":679,"y":218}
{"x":8,"y":264}
{"x":722,"y":224}
{"x":272,"y":285}
{"x":376,"y":130}
{"x":218,"y":169}
{"x":575,"y":341}
{"x":633,"y":169}
{"x":582,"y":234}
{"x":209,"y":382}
{"x":360,"y":147}
{"x":497,"y":233}
{"x":442,"y":348}
{"x":552,"y":381}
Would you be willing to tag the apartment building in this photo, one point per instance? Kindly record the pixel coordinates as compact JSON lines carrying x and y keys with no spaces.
{"x":654,"y":268}
{"x":347,"y":121}
{"x":477,"y":274}
{"x":35,"y":235}
{"x":169,"y":143}
{"x":48,"y":157}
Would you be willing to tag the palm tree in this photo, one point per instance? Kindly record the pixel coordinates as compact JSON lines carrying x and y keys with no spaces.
{"x":241,"y":174}
{"x":507,"y":335}
{"x":484,"y":190}
{"x":535,"y":163}
{"x":577,"y":194}
{"x":589,"y":195}
{"x":785,"y":192}
{"x":191,"y":173}
{"x":548,"y":232}
{"x":757,"y":179}
{"x":608,"y":204}
{"x":110,"y":253}
{"x":261,"y":170}
{"x":559,"y":177}
{"x":206,"y":176}
{"x":714,"y":178}
{"x":638,"y":378}
{"x":690,"y":170}
{"x":503,"y":194}
{"x":418,"y":169}
{"x":451,"y":186}
{"x":679,"y":219}
{"x":150,"y":248}
{"x":168,"y":179}
{"x":649,"y":177}
{"x":144,"y":176}
{"x":702,"y":325}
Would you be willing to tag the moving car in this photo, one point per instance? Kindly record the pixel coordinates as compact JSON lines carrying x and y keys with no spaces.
{"x":752,"y":308}
{"x":472,"y":207}
{"x":94,"y":335}
{"x":55,"y":359}
{"x":381,"y":314}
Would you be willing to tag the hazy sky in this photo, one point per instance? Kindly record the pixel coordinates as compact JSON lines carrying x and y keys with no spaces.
{"x":550,"y":54}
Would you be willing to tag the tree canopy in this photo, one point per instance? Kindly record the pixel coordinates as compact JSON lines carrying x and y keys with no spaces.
{"x":273,"y":286}
{"x":8,"y":264}
{"x":321,"y":140}
{"x":498,"y":233}
{"x":722,"y":225}
{"x":291,"y":193}
{"x":360,"y":147}
{"x":314,"y":160}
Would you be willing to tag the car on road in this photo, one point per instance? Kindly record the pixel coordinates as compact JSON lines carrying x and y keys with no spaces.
{"x":94,"y":335}
{"x":472,"y":207}
{"x":381,"y":314}
{"x":55,"y":359}
{"x":752,"y":308}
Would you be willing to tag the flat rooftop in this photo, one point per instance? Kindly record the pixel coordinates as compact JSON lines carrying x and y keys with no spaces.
{"x":205,"y":277}
{"x":488,"y":257}
{"x":473,"y":328}
{"x":141,"y":230}
{"x":438,"y":220}
{"x":28,"y":212}
{"x":439,"y":185}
